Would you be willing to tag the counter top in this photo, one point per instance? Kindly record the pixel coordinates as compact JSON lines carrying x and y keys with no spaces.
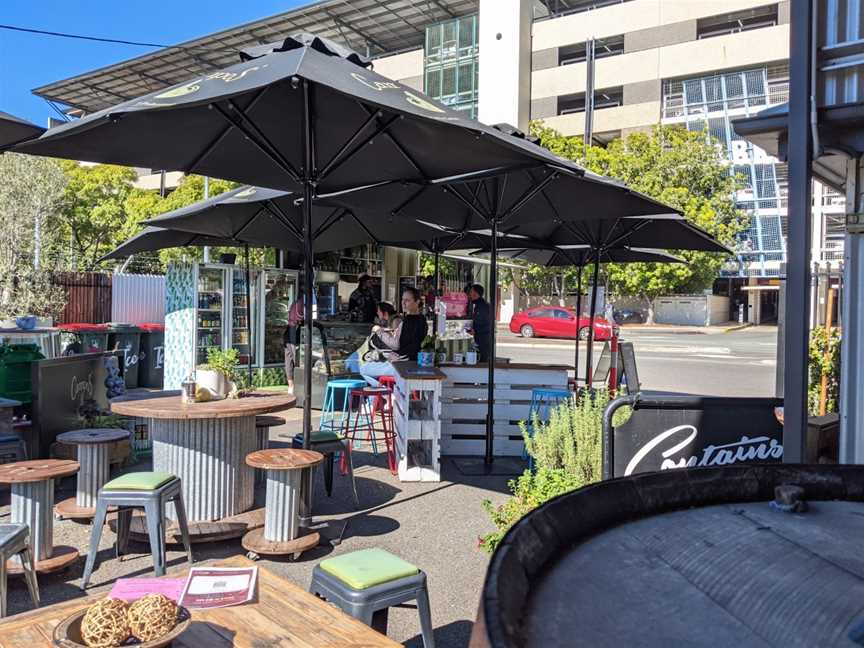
{"x":411,"y":370}
{"x":508,"y":365}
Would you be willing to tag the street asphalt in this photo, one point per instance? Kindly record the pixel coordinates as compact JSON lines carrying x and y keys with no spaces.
{"x":436,"y":525}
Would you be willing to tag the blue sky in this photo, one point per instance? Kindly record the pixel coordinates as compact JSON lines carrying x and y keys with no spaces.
{"x":29,"y":60}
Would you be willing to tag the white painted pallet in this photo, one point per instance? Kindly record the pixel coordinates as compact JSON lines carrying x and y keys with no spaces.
{"x":464,"y":398}
{"x":418,"y":427}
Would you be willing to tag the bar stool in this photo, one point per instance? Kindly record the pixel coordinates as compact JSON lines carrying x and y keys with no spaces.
{"x":281,"y":534}
{"x":329,"y":444}
{"x":370,"y":401}
{"x":542,"y":400}
{"x":263,"y":423}
{"x":151,"y":491}
{"x":366,"y":583}
{"x":15,"y":542}
{"x":336,"y":399}
{"x":32,"y":484}
{"x":94,"y":450}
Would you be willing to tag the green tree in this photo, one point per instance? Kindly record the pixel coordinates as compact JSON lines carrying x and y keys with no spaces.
{"x":30,"y":194}
{"x":94,"y":216}
{"x":684,"y":169}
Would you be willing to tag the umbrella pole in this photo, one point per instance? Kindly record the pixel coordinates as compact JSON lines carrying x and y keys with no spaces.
{"x":249,"y":312}
{"x":590,"y":351}
{"x":308,"y":270}
{"x":578,"y":317}
{"x":492,"y":303}
{"x":436,"y":279}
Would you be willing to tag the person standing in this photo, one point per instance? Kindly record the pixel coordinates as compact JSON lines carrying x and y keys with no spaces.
{"x":291,"y":338}
{"x":362,"y":304}
{"x":481,"y":321}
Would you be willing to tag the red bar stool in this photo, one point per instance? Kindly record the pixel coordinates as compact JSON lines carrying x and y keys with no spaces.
{"x":371,"y":412}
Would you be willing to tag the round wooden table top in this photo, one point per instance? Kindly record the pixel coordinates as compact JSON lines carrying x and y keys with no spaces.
{"x":284,"y":459}
{"x":93,"y":435}
{"x":37,"y":470}
{"x":171,"y":406}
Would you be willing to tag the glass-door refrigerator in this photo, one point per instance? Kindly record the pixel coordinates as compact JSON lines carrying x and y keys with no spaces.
{"x":242,"y":333}
{"x":209,"y":320}
{"x":280,"y":292}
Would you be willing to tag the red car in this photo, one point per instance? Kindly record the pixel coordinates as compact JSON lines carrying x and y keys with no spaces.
{"x":558,"y":322}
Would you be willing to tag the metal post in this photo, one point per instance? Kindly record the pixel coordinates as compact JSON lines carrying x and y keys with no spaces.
{"x":436,"y":280}
{"x":492,"y":303}
{"x":308,"y":163}
{"x":206,"y":196}
{"x":578,"y":317}
{"x":589,"y":355}
{"x":798,"y":247}
{"x":589,"y":91}
{"x":249,"y":326}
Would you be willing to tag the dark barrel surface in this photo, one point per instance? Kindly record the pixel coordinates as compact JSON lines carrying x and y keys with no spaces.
{"x":683,"y":557}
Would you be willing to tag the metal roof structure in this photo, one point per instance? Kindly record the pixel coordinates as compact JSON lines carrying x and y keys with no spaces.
{"x":375,"y":27}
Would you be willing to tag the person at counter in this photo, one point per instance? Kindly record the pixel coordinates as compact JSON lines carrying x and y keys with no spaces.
{"x":404,"y":341}
{"x":361,"y":303}
{"x":481,"y":321}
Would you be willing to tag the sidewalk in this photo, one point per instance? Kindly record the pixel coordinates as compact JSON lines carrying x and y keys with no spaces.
{"x":686,"y":330}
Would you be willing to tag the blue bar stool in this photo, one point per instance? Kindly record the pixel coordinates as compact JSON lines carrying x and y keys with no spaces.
{"x":542,"y":400}
{"x":337,"y":400}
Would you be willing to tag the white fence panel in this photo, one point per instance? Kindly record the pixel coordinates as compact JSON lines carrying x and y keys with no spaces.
{"x":136,"y":299}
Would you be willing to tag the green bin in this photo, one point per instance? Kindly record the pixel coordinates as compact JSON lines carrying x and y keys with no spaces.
{"x":15,"y":361}
{"x":152,"y":358}
{"x":83,"y":337}
{"x":126,"y":338}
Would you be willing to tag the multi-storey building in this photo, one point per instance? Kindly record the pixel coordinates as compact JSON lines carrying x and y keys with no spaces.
{"x":697,"y":63}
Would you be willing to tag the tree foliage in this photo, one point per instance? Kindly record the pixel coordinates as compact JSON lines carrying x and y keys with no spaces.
{"x":683,"y":169}
{"x":30,"y":193}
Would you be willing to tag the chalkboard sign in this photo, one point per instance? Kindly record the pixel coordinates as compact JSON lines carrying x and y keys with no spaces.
{"x":628,"y":360}
{"x":688,"y":431}
{"x":61,"y":386}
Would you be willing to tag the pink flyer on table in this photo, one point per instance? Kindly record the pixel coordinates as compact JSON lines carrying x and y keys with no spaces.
{"x":131,"y":589}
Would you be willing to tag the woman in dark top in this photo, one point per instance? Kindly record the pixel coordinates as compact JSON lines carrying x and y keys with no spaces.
{"x":405,"y":340}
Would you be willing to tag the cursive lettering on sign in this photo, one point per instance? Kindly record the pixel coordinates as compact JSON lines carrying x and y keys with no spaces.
{"x":81,"y":390}
{"x":761,"y":448}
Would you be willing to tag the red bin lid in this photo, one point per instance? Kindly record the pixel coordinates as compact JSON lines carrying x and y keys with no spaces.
{"x":152,"y":327}
{"x":84,"y":327}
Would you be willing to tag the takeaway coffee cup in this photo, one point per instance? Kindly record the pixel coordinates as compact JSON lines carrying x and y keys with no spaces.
{"x":457,"y":358}
{"x":471,"y":358}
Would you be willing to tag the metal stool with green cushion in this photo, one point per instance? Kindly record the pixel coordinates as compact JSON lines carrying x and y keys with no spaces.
{"x":328,"y":443}
{"x":366,"y":583}
{"x":151,"y":491}
{"x":15,"y":543}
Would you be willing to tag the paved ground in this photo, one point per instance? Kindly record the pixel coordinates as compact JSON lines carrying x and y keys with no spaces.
{"x":737,"y":363}
{"x":435,"y":526}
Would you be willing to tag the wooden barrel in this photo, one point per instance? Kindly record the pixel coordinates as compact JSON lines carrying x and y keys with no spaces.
{"x":693,"y":557}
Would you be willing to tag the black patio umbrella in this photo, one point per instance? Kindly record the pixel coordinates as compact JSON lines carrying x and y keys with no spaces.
{"x":302,"y":115}
{"x":14,"y":130}
{"x":580,"y":256}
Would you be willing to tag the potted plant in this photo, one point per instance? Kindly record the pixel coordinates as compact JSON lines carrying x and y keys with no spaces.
{"x":217,"y":374}
{"x":426,"y":356}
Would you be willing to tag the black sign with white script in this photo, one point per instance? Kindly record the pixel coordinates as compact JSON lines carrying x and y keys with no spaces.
{"x":666,"y":432}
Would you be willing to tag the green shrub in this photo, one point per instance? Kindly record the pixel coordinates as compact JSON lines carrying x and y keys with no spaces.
{"x":821,"y":342}
{"x":567,"y":451}
{"x":225,"y":362}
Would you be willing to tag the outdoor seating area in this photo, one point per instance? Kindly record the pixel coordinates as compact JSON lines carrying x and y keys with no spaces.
{"x":304,"y":344}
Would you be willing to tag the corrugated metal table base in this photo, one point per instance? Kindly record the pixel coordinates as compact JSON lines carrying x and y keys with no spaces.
{"x":208,"y":455}
{"x":33,"y":505}
{"x":95,"y":469}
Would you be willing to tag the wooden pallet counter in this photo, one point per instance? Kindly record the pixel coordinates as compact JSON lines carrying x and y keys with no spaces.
{"x":417,"y":420}
{"x":464,"y":393}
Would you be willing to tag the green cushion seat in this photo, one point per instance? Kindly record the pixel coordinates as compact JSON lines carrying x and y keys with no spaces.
{"x":143,"y":481}
{"x":368,"y":567}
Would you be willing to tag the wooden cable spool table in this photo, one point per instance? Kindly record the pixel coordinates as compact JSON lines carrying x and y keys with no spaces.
{"x":94,"y":449}
{"x":32,"y":485}
{"x":282,"y":534}
{"x":205,"y":445}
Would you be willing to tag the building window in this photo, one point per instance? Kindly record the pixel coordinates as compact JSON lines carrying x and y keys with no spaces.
{"x":451,"y":63}
{"x":603,"y":47}
{"x":605,"y":98}
{"x":739,"y":21}
{"x":545,"y":9}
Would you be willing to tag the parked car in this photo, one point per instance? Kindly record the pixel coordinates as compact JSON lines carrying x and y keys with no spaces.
{"x":628,"y":316}
{"x":558,"y":322}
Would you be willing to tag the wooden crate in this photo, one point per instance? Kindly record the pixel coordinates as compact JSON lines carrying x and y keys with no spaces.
{"x":464,"y":406}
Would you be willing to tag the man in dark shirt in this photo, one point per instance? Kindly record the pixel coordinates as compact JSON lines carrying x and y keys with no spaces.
{"x":481,"y":321}
{"x":361,"y":303}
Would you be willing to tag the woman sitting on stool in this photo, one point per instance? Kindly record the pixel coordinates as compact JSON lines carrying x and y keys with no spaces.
{"x":404,"y":341}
